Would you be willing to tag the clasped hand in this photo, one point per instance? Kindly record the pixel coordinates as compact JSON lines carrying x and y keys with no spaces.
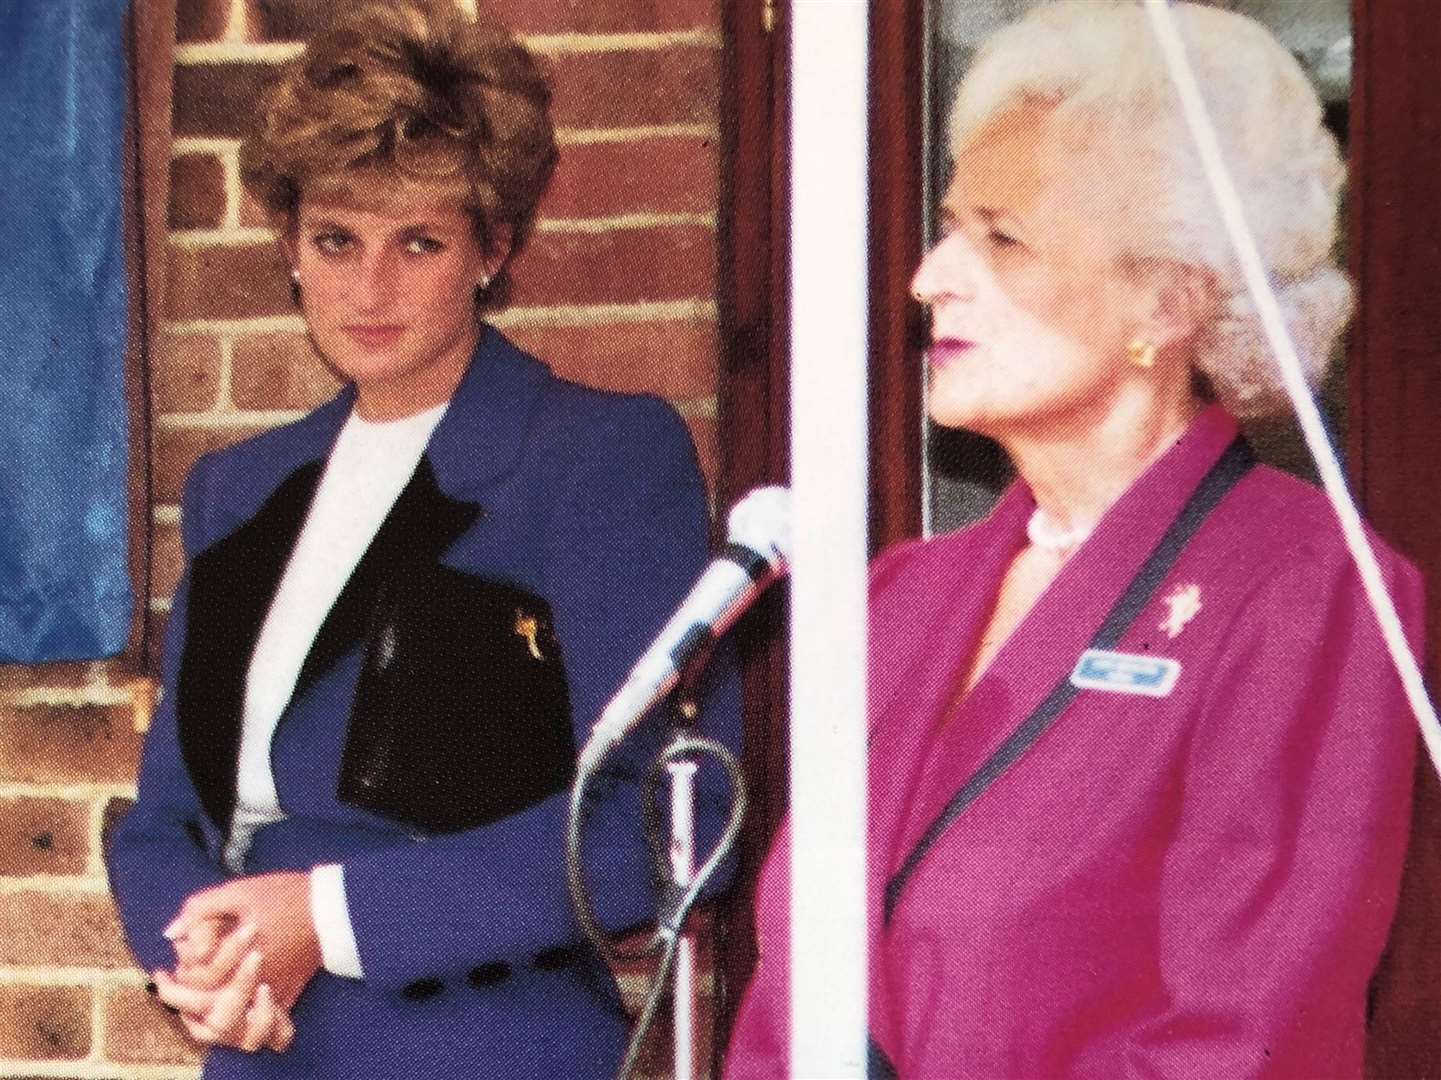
{"x":244,"y":952}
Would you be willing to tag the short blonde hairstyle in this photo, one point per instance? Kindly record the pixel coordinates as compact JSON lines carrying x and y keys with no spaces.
{"x":1099,"y":60}
{"x":394,"y":99}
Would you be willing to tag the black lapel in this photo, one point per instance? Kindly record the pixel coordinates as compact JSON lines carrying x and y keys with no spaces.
{"x":421,"y":525}
{"x":231,"y":583}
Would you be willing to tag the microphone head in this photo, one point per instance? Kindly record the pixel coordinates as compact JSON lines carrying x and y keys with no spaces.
{"x":761,"y":521}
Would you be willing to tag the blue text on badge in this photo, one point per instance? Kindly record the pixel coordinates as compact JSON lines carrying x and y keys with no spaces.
{"x":1125,"y":673}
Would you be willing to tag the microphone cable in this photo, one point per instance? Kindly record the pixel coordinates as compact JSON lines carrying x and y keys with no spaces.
{"x":676,"y":902}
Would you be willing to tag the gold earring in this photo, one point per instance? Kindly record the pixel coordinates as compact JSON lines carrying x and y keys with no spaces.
{"x":1142,"y":353}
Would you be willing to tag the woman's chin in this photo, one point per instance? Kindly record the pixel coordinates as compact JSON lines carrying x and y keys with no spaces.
{"x":369,"y":366}
{"x":957,"y":412}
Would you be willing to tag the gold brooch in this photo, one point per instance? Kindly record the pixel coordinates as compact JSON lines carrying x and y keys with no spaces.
{"x":1185,"y":604}
{"x":528,"y":627}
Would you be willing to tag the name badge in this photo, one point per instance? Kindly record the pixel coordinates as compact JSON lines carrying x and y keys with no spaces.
{"x":1125,"y":673}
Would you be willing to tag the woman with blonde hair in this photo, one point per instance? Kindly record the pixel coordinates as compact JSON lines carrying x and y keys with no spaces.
{"x":402,"y":613}
{"x":1140,"y":769}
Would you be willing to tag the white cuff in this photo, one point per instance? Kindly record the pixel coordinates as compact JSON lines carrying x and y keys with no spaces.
{"x":331,"y":916}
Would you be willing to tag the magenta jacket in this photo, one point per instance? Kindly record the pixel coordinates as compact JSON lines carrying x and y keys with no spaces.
{"x":1186,"y":882}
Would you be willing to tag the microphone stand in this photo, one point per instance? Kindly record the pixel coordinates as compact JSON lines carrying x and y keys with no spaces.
{"x":681,"y":711}
{"x":675,"y":860}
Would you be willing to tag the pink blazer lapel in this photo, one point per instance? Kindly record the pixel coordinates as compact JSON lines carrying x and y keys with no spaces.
{"x":1044,"y":649}
{"x":922,"y":633}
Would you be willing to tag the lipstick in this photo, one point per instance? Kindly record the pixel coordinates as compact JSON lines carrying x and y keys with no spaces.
{"x":946,"y":351}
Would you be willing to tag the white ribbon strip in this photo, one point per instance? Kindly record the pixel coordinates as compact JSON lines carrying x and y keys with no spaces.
{"x":1333,"y":480}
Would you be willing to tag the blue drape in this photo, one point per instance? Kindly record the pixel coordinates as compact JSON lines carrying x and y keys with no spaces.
{"x":64,"y":586}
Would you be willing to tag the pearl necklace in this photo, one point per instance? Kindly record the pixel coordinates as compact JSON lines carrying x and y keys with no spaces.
{"x":1044,"y":535}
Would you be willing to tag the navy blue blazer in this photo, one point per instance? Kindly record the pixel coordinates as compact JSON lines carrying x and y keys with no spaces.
{"x":547,"y":534}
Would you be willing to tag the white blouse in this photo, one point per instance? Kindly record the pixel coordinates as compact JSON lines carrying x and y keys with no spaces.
{"x":368,"y":468}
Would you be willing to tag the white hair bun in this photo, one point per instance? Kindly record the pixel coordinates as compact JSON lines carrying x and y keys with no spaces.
{"x":1237,"y":359}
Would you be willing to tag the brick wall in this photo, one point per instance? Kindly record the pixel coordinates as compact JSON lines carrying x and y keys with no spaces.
{"x":617,"y":290}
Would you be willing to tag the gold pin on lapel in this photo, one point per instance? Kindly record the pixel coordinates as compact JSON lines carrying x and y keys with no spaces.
{"x":528,"y":627}
{"x":1185,"y":604}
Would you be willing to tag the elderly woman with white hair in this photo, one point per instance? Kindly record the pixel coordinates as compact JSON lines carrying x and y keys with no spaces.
{"x":1140,"y":769}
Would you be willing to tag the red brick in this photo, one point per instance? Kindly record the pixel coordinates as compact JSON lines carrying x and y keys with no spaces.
{"x":605,"y":16}
{"x":44,"y":1023}
{"x":287,"y":20}
{"x":17,"y":677}
{"x":680,"y":84}
{"x":185,"y":373}
{"x":176,"y":450}
{"x":704,"y":433}
{"x":672,"y":359}
{"x":658,"y":1054}
{"x":201,"y":20}
{"x":115,"y":809}
{"x":674,"y":262}
{"x":636,"y":976}
{"x":68,"y":744}
{"x":290,"y":20}
{"x":138,"y":1031}
{"x":663,"y":175}
{"x":59,"y":930}
{"x":279,"y":371}
{"x":155,"y":622}
{"x":43,"y":836}
{"x":197,"y":192}
{"x":218,"y":99}
{"x":227,"y":282}
{"x":167,"y":560}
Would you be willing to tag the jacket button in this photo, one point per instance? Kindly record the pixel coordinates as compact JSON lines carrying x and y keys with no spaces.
{"x":556,"y":959}
{"x":488,"y":974}
{"x":422,"y":989}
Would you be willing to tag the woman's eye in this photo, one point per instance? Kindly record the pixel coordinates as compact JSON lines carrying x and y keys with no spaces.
{"x":423,"y":245}
{"x":999,"y":239}
{"x":331,"y":243}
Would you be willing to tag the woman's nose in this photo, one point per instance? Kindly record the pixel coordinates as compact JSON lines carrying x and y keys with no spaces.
{"x":375,"y":280}
{"x":947,"y":270}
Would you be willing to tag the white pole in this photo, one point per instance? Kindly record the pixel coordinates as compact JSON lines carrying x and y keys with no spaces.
{"x":829,"y":53}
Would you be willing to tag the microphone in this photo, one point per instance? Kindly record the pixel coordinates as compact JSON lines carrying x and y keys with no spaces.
{"x":758,"y":541}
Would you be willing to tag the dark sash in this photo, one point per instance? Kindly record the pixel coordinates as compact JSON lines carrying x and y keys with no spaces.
{"x":1235,"y":463}
{"x":1229,"y":468}
{"x":878,"y":1066}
